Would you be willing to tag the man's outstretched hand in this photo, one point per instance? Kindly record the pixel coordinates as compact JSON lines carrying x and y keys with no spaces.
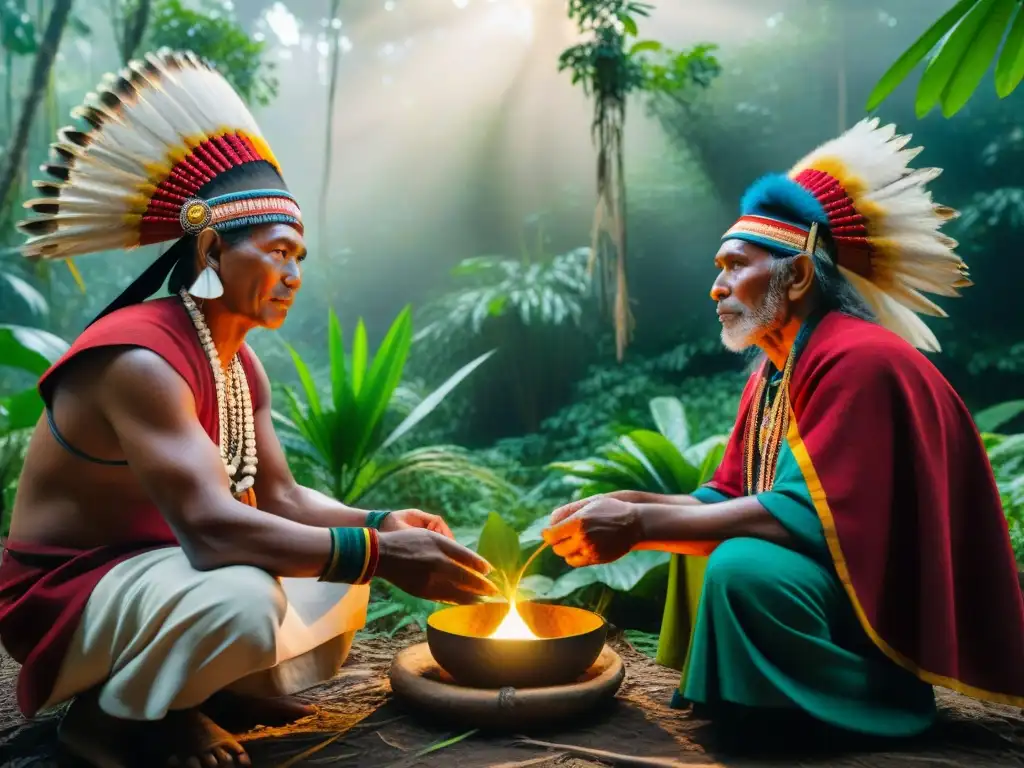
{"x":429,"y":565}
{"x":596,"y":530}
{"x":404,"y":519}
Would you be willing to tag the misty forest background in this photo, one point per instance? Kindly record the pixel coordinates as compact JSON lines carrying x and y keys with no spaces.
{"x":450,"y":349}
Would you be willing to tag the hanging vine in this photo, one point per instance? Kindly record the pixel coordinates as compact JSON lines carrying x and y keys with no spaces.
{"x":610,"y":68}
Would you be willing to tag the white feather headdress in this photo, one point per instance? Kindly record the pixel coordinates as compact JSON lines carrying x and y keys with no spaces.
{"x":881,"y":218}
{"x":154,"y":137}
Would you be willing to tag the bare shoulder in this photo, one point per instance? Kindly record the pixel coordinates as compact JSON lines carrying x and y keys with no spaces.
{"x":135,"y":380}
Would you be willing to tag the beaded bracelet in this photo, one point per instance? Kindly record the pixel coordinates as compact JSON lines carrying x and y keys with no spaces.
{"x":375,"y":518}
{"x":355,"y":553}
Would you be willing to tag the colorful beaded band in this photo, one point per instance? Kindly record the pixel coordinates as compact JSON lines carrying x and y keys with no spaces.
{"x":240,"y":209}
{"x":376,"y":518}
{"x":773,"y":234}
{"x":355,"y":553}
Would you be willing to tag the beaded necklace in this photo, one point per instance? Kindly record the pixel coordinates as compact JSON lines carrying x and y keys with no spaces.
{"x":767,"y":424}
{"x":237,"y":437}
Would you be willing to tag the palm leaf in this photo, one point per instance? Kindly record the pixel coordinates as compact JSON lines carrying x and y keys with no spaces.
{"x":431,"y":401}
{"x":950,"y":57}
{"x":670,"y":418}
{"x":905,"y":64}
{"x":979,"y":54}
{"x":991,"y":419}
{"x":360,"y":354}
{"x":381,"y":380}
{"x":1010,"y":67}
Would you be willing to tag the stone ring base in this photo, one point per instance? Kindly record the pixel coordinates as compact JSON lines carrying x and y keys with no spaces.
{"x":421,"y":685}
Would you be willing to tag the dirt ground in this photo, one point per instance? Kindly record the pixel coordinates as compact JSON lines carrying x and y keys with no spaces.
{"x":361,"y":725}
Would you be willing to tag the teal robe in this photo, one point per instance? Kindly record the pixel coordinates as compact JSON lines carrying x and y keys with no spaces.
{"x":774,"y":628}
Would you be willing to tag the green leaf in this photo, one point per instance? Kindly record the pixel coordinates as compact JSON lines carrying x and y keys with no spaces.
{"x":499,"y":545}
{"x":535,"y":585}
{"x":383,"y":376}
{"x":360,"y":353}
{"x":21,"y":411}
{"x":341,"y":387}
{"x":645,"y":45}
{"x":977,"y":57}
{"x":29,"y":349}
{"x":991,"y":419}
{"x":629,"y":25}
{"x":33,"y":299}
{"x":622,"y":575}
{"x":942,"y":68}
{"x":434,"y":399}
{"x":531,"y":535}
{"x":898,"y":72}
{"x":306,"y":379}
{"x":670,"y":418}
{"x":679,"y":476}
{"x":1010,"y":67}
{"x":707,"y":455}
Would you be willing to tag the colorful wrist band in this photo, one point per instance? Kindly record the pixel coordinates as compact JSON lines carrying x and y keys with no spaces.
{"x":375,"y":518}
{"x":355,"y":553}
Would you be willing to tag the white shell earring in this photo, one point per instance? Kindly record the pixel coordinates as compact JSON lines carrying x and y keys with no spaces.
{"x":207,"y":285}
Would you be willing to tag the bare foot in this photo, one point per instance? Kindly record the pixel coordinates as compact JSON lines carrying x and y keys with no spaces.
{"x":185,"y":739}
{"x":239,"y":713}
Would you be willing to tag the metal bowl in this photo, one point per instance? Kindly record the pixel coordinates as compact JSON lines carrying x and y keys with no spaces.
{"x":569,"y":640}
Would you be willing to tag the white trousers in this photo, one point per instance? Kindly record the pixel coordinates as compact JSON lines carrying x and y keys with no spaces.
{"x":158,"y":635}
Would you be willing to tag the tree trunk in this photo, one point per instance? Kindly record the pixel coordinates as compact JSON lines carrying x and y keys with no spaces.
{"x":37,"y":90}
{"x":135,"y":23}
{"x":334,"y":49}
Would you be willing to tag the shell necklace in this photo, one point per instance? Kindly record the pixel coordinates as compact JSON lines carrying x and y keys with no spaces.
{"x":234,"y":407}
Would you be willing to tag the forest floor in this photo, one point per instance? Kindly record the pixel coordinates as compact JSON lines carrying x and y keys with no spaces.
{"x":360,"y":725}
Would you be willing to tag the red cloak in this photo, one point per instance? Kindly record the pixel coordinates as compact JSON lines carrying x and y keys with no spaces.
{"x":44,"y":589}
{"x":909,"y":505}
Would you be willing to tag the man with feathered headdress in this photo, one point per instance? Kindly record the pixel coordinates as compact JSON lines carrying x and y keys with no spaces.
{"x":156,"y":515}
{"x":859,"y":552}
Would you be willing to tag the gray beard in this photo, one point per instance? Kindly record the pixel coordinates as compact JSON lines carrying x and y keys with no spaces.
{"x":746,"y":330}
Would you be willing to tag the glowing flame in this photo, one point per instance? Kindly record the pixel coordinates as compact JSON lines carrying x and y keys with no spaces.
{"x":513,"y":627}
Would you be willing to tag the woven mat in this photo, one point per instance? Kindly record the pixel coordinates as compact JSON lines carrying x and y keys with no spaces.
{"x":360,"y":725}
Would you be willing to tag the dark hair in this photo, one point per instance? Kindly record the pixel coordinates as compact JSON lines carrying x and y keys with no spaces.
{"x":835,"y":292}
{"x":184,"y":272}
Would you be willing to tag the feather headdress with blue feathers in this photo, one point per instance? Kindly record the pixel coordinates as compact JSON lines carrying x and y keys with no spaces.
{"x":881,"y":221}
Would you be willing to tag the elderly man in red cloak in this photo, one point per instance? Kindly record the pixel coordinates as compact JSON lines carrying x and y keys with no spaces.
{"x":859,"y":551}
{"x":164,"y":568}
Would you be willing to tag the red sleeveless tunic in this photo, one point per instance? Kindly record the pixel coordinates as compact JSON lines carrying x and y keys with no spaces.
{"x":44,"y":590}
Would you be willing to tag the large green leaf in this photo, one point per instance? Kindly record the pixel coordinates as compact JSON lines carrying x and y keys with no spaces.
{"x":29,"y":349}
{"x":360,"y":354}
{"x":670,"y":418}
{"x":905,"y":64}
{"x":438,"y":461}
{"x":978,"y":55}
{"x":341,"y":386}
{"x":991,"y":419}
{"x":499,"y":545}
{"x":1010,"y":67}
{"x":598,"y":470}
{"x":20,"y":411}
{"x":622,"y":575}
{"x":33,"y":299}
{"x":679,"y":475}
{"x":383,"y":376}
{"x":941,"y":69}
{"x":707,"y":455}
{"x":434,"y":399}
